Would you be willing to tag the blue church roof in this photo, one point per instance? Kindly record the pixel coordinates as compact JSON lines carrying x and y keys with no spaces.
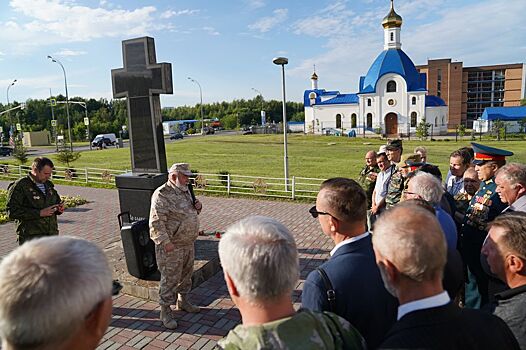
{"x":319,"y":94}
{"x":393,"y":61}
{"x":341,"y":99}
{"x":504,"y":113}
{"x":434,"y":101}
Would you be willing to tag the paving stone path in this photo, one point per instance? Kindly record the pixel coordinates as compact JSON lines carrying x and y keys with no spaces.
{"x":135,"y":323}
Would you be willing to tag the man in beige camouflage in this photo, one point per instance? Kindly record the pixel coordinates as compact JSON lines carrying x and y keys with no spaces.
{"x":260,"y":264}
{"x":174,"y":227}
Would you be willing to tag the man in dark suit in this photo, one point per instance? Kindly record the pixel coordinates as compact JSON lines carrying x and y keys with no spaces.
{"x":411,"y":253}
{"x":360,"y":296}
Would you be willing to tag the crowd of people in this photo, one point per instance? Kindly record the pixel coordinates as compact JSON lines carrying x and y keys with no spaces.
{"x":419,"y":261}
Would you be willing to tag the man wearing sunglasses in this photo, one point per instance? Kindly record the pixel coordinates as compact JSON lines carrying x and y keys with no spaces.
{"x":360,"y":296}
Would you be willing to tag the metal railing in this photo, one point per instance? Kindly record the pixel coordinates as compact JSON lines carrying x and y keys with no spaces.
{"x":227,"y":184}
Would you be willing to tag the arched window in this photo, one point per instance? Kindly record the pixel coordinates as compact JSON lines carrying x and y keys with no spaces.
{"x":369,"y":102}
{"x":443,"y":120}
{"x":413,"y":100}
{"x":369,"y":120}
{"x":391,"y":86}
{"x":413,"y":119}
{"x":353,"y":120}
{"x":436,"y":121}
{"x":392,"y":36}
{"x":338,"y":121}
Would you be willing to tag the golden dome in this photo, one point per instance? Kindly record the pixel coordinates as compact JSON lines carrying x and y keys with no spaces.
{"x":393,"y":19}
{"x":314,"y":76}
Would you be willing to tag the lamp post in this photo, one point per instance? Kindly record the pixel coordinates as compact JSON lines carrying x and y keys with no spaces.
{"x":67,"y":99}
{"x":282,"y":61}
{"x":9,"y":114}
{"x":201,"y":105}
{"x":263,"y":119}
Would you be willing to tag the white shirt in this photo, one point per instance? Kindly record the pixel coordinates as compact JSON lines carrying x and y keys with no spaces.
{"x":382,"y":184}
{"x":421,"y":304}
{"x":347,"y":241}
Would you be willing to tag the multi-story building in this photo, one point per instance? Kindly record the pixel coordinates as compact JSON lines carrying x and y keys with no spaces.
{"x":467,"y":91}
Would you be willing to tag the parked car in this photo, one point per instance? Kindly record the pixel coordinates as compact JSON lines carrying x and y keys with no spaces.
{"x":332,"y":131}
{"x":109,"y":137}
{"x":176,"y":136}
{"x":6,"y":151}
{"x":102,"y":143}
{"x":208,"y":130}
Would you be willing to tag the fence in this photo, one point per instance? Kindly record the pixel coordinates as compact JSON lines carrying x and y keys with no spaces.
{"x":227,"y":184}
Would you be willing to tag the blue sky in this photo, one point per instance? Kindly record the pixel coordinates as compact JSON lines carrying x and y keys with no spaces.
{"x":228,"y":46}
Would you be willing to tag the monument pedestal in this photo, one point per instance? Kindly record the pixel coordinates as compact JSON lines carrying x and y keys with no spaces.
{"x":206,"y":265}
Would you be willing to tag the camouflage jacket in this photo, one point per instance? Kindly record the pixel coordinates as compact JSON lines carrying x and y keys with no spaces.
{"x":24,"y":202}
{"x":395,"y":188}
{"x":305,"y":330}
{"x":366,"y":182}
{"x":173,"y":216}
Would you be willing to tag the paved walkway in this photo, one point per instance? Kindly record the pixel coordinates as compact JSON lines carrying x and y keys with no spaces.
{"x":135,"y":323}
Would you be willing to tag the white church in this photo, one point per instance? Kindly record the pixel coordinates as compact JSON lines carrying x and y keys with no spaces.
{"x":391,"y":101}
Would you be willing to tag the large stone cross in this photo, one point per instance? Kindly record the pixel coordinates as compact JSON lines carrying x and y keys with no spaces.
{"x":142,"y":80}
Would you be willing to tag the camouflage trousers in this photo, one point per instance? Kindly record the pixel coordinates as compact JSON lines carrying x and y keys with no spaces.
{"x":176,"y":268}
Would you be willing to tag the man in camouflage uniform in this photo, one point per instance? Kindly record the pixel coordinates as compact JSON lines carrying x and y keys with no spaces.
{"x":399,"y":171}
{"x":174,"y":227}
{"x":483,"y":208}
{"x":368,"y":176}
{"x":261,"y":269}
{"x":33,"y":202}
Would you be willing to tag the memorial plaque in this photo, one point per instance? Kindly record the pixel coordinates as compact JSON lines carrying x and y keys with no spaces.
{"x":141,"y":81}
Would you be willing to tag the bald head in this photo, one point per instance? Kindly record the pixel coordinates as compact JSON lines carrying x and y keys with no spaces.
{"x":370,"y":158}
{"x":410,"y":238}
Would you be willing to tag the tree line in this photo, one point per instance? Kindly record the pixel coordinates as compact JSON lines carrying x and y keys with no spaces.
{"x":108,"y":116}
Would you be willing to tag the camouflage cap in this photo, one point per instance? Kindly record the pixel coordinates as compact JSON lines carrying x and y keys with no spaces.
{"x":183,"y":168}
{"x":394,"y":144}
{"x":408,"y":159}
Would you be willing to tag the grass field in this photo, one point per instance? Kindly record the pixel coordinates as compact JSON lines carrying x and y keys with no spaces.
{"x":262,"y":155}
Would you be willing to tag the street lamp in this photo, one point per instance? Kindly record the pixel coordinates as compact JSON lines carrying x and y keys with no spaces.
{"x":9,"y":114}
{"x":262,"y":111}
{"x":201,"y":98}
{"x":67,"y":99}
{"x":282,"y":61}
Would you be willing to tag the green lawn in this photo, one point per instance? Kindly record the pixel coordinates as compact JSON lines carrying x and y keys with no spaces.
{"x":262,"y":155}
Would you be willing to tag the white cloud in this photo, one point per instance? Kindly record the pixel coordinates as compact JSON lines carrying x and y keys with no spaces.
{"x":265,"y":24}
{"x":210,"y":30}
{"x":43,"y":22}
{"x":171,"y":13}
{"x":255,"y":4}
{"x":330,"y":21}
{"x":69,"y":52}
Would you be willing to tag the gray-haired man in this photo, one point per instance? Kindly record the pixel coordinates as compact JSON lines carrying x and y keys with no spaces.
{"x":174,"y":228}
{"x":55,"y":294}
{"x":260,"y":263}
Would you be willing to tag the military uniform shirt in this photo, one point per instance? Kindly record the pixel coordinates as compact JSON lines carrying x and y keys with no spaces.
{"x":24,"y":202}
{"x":483,"y":207}
{"x":305,"y":330}
{"x":366,"y":182}
{"x":395,"y":188}
{"x":173,"y":216}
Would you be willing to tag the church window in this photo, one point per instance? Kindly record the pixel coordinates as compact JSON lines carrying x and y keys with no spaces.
{"x":413,"y":119}
{"x":391,"y":102}
{"x":436,"y":121}
{"x":353,"y":120}
{"x":369,"y":120}
{"x":338,"y":121}
{"x":443,"y":120}
{"x":392,"y":36}
{"x":391,"y":86}
{"x":413,"y":100}
{"x":369,"y":102}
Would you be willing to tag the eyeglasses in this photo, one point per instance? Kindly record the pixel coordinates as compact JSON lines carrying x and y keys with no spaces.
{"x":315,"y":213}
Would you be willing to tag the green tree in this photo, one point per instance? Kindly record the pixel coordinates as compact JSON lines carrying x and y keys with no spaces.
{"x":461,"y":130}
{"x":497,"y":128}
{"x":422,"y":129}
{"x":66,"y":156}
